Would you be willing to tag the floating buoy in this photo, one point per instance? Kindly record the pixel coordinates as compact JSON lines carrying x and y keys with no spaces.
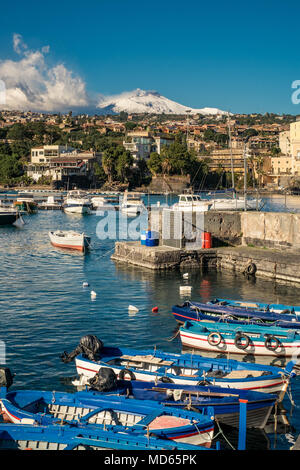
{"x":132,"y":308}
{"x":155,"y":309}
{"x":85,"y":284}
{"x":93,"y":294}
{"x":185,"y":276}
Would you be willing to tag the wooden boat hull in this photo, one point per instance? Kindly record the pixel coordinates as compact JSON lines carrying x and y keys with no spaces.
{"x":188,"y":369}
{"x":223,"y":338}
{"x":197,"y":312}
{"x":107,"y":412}
{"x":79,"y":243}
{"x":28,"y":437}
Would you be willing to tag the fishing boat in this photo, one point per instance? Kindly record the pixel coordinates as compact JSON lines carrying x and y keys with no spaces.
{"x":253,"y":305}
{"x":226,"y":313}
{"x":10,"y":216}
{"x":77,"y":202}
{"x":132,"y":204}
{"x":55,"y":437}
{"x":226,"y":403}
{"x":191,"y":203}
{"x":70,"y":239}
{"x":241,"y":339}
{"x":110,"y":412}
{"x":184,"y":369}
{"x":26,"y":203}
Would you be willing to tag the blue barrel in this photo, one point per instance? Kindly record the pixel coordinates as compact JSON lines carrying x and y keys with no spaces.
{"x":152,"y":241}
{"x":143,"y":237}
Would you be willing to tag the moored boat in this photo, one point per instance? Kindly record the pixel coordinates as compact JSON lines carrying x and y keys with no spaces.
{"x":10,"y":216}
{"x":77,"y":202}
{"x":191,"y":203}
{"x":224,"y":313}
{"x":185,"y":369}
{"x":109,"y":412}
{"x":254,"y":305}
{"x":132,"y":205}
{"x":69,"y":239}
{"x":226,"y":403}
{"x":241,"y":339}
{"x":55,"y":437}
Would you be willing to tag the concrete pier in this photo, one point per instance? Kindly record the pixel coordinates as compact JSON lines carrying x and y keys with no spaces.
{"x":263,"y":244}
{"x":279,"y":266}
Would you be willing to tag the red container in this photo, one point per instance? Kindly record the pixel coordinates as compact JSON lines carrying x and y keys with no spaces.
{"x":206,"y":240}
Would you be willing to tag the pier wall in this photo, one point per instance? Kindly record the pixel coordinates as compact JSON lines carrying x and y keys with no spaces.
{"x":256,"y":229}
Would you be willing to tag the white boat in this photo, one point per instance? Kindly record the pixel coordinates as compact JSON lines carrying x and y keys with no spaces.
{"x":103,"y":203}
{"x":235,"y":203}
{"x":132,"y":205}
{"x":69,"y":239}
{"x":191,"y":203}
{"x":77,"y":202}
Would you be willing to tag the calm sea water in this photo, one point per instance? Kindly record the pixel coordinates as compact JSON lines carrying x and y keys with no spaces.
{"x":44,"y":309}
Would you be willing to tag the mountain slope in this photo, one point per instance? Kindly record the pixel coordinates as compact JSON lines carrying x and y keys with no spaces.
{"x":141,"y":101}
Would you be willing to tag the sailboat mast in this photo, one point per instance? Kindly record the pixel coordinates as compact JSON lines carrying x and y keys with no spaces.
{"x":230,"y":147}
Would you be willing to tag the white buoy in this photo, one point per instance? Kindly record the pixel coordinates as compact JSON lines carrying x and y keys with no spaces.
{"x":132,"y":308}
{"x":85,"y":284}
{"x":93,"y":294}
{"x":185,"y":276}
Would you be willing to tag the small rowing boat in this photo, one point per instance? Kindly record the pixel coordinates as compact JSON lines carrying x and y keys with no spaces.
{"x":184,"y":369}
{"x":241,"y":339}
{"x":109,"y":412}
{"x":70,"y":239}
{"x":253,"y":305}
{"x":55,"y":437}
{"x":221,"y":312}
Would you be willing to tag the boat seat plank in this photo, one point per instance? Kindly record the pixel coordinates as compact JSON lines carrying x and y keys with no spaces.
{"x":147,"y":359}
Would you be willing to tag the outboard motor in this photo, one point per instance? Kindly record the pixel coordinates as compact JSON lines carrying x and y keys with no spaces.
{"x":104,"y":381}
{"x":89,"y":345}
{"x":6,"y":377}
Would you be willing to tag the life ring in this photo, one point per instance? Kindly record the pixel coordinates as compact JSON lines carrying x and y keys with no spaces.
{"x":214,"y":334}
{"x":166,"y":379}
{"x":268,"y":343}
{"x":126,"y":372}
{"x":251,"y":268}
{"x":237,"y":339}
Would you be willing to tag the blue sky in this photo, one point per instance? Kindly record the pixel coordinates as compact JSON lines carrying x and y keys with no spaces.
{"x":231,"y":55}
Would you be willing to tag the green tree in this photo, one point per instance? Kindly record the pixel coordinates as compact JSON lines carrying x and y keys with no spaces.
{"x":155,"y":163}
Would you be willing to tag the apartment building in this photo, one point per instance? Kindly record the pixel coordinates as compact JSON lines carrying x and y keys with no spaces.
{"x":61,"y":163}
{"x":142,"y":143}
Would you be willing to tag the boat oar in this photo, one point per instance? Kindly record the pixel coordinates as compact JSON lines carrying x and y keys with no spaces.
{"x":188,"y":392}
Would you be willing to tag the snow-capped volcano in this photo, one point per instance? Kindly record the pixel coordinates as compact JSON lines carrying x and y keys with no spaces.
{"x":142,"y":101}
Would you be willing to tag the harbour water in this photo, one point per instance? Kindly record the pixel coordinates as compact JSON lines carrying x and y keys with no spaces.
{"x":44,"y":309}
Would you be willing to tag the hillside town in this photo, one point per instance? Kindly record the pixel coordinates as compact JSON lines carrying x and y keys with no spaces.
{"x":134,"y":150}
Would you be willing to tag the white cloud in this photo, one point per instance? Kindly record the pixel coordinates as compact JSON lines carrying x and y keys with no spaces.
{"x":32,"y":84}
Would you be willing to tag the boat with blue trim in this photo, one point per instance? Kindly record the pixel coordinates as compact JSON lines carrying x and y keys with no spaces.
{"x":185,"y":369}
{"x":109,"y":412}
{"x":241,"y":339}
{"x":55,"y":437}
{"x":224,"y":312}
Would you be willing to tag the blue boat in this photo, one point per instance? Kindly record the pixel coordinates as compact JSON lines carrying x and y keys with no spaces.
{"x":227,"y":313}
{"x":185,"y":369}
{"x":54,"y":437}
{"x":253,"y":305}
{"x":109,"y":412}
{"x":241,"y":339}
